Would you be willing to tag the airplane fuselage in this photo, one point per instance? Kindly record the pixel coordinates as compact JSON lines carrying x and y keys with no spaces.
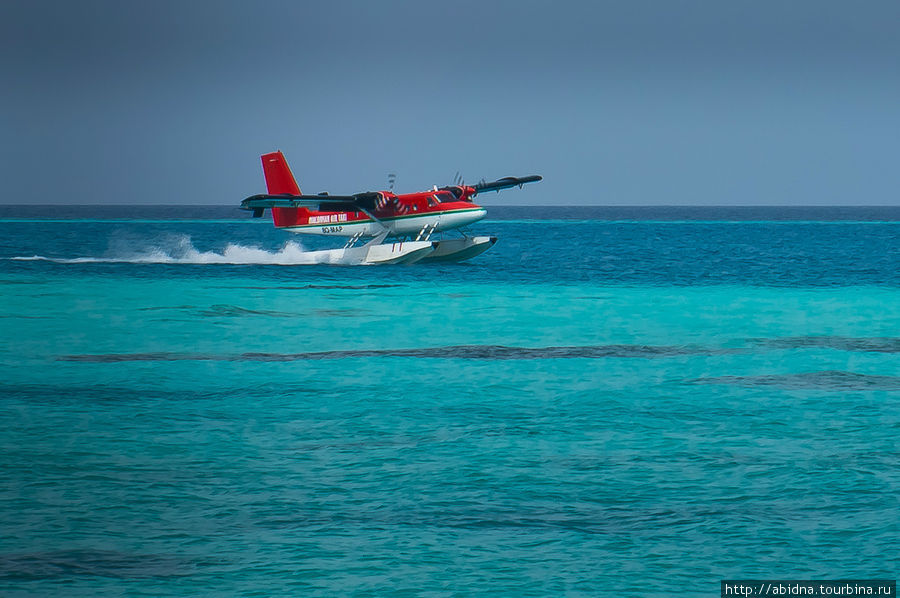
{"x":401,"y":215}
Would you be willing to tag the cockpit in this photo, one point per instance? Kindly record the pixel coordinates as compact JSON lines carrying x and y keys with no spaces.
{"x":444,"y":197}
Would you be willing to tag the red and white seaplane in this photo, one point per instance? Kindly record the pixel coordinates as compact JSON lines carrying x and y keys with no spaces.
{"x":407,"y":220}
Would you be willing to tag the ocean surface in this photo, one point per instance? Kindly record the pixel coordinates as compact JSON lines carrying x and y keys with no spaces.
{"x":610,"y":402}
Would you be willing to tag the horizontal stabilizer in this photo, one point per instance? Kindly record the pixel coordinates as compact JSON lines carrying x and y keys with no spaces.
{"x":265,"y":200}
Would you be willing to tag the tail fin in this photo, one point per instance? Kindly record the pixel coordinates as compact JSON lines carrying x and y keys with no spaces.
{"x":279,"y":178}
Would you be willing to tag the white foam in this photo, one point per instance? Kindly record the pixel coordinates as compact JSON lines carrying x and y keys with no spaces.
{"x":181,"y":250}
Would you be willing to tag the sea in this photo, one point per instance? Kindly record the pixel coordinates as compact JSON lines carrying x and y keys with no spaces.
{"x":610,"y":402}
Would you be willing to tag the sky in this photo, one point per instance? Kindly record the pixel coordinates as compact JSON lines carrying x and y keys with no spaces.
{"x":633,"y":102}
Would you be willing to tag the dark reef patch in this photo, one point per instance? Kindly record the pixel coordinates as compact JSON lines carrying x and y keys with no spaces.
{"x":236,"y":311}
{"x":825,"y":380}
{"x":842,"y":343}
{"x":478,"y":352}
{"x":90,"y":563}
{"x":326,"y":287}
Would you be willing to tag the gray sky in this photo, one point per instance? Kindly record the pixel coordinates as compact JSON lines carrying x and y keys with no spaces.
{"x":615,"y":103}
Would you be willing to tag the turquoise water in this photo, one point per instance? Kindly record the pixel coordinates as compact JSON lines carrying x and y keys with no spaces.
{"x":637,"y":407}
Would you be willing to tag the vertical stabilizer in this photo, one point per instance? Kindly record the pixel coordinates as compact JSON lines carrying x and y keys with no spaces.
{"x":279,"y":178}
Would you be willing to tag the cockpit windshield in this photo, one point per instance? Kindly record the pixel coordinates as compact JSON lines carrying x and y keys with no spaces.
{"x":444,"y":196}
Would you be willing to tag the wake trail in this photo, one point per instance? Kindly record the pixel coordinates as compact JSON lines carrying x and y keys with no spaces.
{"x":181,"y":250}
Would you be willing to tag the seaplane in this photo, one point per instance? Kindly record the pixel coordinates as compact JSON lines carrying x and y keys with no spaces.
{"x":395,"y":229}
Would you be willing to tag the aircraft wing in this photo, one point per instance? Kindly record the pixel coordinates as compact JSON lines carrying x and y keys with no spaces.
{"x":506,"y":183}
{"x":258,"y":203}
{"x":364,"y":202}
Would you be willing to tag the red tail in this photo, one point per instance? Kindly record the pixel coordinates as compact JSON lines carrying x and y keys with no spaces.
{"x":279,"y":178}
